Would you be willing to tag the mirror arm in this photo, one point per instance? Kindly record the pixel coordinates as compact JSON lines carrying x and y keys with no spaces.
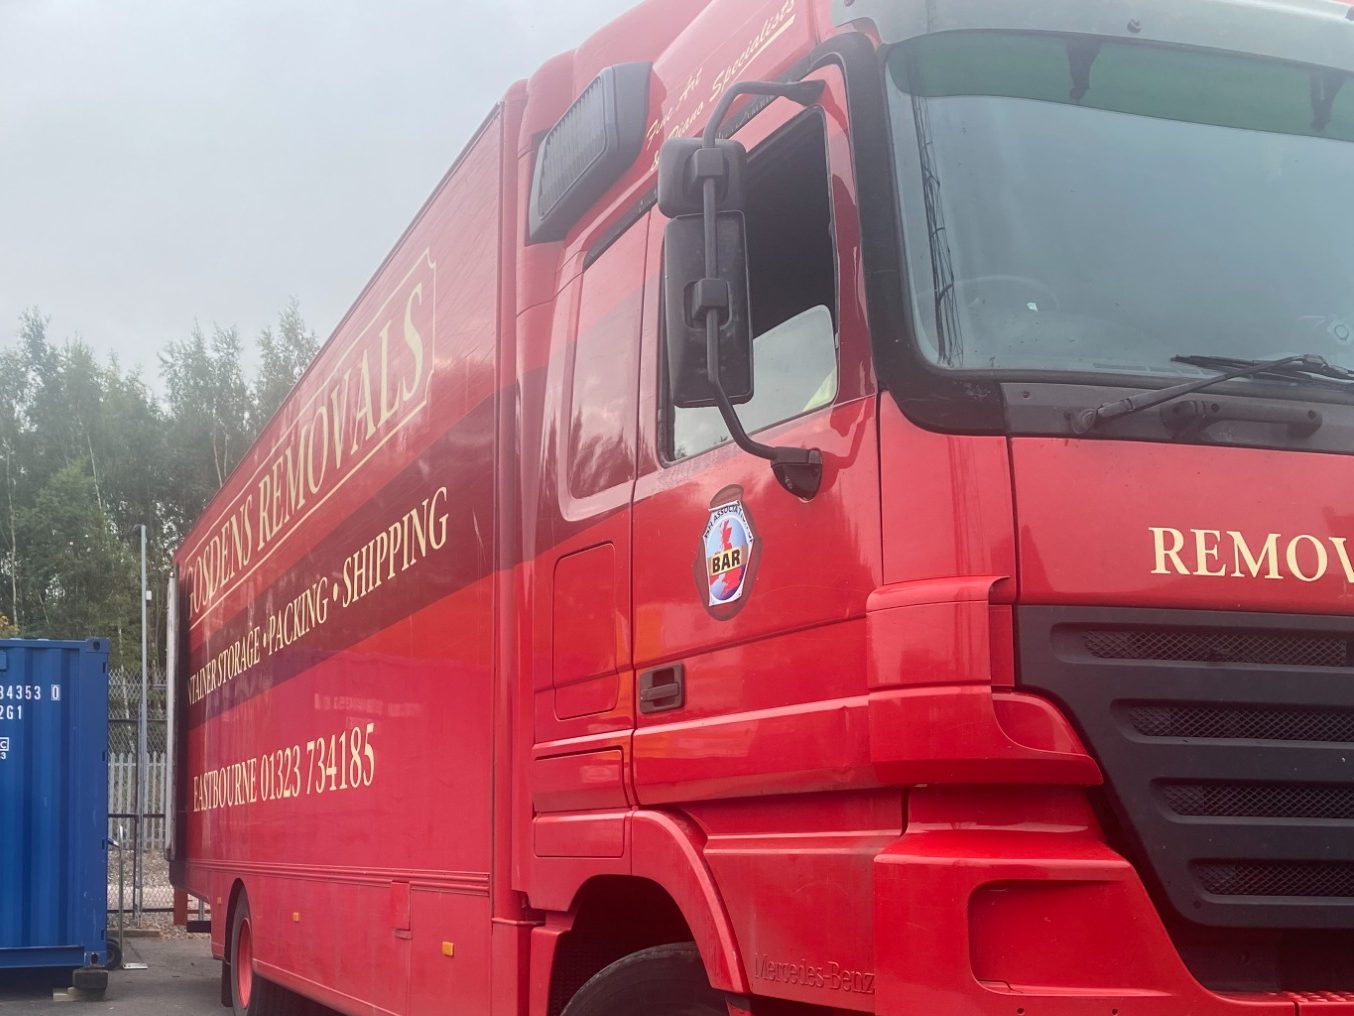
{"x":806,"y":93}
{"x":799,"y":470}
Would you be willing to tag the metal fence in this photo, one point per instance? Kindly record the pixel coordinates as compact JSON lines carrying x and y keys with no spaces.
{"x":138,"y":874}
{"x":122,"y":777}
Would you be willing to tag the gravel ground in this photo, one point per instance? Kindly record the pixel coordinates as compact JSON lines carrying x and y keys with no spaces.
{"x":158,"y":892}
{"x":181,"y":979}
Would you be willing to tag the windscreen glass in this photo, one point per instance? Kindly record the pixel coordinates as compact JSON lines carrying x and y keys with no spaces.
{"x":1077,"y":204}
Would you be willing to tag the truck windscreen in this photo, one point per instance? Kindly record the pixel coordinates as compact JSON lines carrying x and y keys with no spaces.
{"x":1087,"y":205}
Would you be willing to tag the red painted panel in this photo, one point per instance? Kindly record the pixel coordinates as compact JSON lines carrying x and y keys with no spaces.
{"x":336,"y":654}
{"x":794,"y":749}
{"x":592,"y":779}
{"x":578,"y":469}
{"x":826,"y":961}
{"x":1215,"y":528}
{"x":587,"y":629}
{"x":955,"y":734}
{"x":946,"y":502}
{"x":809,"y":854}
{"x":440,"y":921}
{"x":1024,"y":907}
{"x":819,"y":560}
{"x":931,"y":632}
{"x":579,"y":835}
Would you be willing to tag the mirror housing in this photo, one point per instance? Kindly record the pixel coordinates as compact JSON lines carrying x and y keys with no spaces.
{"x":705,"y":281}
{"x":687,"y":293}
{"x":683,"y":166}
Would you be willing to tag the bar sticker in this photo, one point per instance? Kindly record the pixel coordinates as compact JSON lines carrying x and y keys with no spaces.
{"x":729,"y":551}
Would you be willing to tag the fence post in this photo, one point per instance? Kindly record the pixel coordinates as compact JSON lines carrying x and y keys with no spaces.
{"x":141,"y":757}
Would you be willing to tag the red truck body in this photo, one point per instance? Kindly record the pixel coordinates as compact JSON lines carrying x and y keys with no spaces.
{"x":480,"y":688}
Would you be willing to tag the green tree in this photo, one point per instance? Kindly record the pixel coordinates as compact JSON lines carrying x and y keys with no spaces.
{"x":210,"y":419}
{"x":82,"y":578}
{"x":89,"y":453}
{"x":284,"y":356}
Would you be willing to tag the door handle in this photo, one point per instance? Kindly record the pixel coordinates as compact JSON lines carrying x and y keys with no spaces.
{"x":663,"y":689}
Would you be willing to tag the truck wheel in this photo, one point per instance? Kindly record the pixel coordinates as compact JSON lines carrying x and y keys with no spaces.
{"x":114,"y":951}
{"x":250,"y":994}
{"x":667,"y":980}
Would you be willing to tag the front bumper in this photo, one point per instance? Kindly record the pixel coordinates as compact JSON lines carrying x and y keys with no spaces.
{"x":1027,"y":918}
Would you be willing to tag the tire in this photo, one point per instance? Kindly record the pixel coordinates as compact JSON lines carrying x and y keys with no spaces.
{"x":250,"y":994}
{"x":114,"y":952}
{"x":667,"y":980}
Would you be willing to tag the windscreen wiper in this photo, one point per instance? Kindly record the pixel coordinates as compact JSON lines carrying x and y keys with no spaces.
{"x":1320,"y":367}
{"x":1303,"y":367}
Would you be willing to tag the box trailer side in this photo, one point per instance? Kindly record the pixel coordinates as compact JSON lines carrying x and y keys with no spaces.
{"x":336,"y":653}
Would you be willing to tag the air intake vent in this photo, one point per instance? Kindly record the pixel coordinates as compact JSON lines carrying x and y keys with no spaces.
{"x":1302,"y":879}
{"x":1249,"y":723}
{"x":591,"y":147}
{"x":1263,"y":648}
{"x":1260,"y":800}
{"x":568,"y":151}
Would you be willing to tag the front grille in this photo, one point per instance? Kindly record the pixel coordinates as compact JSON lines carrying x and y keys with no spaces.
{"x":1227,"y":744}
{"x":1307,"y":880}
{"x":1264,"y":648}
{"x":1250,"y":723}
{"x":1260,"y":800}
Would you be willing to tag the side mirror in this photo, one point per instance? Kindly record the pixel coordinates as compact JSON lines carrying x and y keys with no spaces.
{"x":683,"y":166}
{"x":705,"y":280}
{"x":688,"y":293}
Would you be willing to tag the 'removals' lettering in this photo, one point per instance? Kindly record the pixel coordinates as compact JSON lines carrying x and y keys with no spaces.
{"x":1230,"y":553}
{"x":375,"y":386}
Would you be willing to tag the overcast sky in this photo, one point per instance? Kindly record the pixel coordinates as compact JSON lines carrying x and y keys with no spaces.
{"x":170,"y":161}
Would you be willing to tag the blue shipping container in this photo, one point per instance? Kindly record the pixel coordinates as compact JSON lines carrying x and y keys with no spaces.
{"x":53,"y":803}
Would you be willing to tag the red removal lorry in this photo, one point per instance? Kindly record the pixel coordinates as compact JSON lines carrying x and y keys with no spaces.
{"x":833,"y":505}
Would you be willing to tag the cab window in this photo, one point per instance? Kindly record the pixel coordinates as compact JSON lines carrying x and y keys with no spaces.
{"x":792,"y":275}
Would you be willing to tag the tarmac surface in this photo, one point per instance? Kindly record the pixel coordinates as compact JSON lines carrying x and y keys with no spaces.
{"x":180,"y":978}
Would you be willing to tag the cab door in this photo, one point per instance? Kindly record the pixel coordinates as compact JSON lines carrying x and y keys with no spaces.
{"x":579,"y":537}
{"x":749,"y":602}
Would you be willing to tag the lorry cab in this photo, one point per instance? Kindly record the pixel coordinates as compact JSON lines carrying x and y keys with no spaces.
{"x":888,"y":461}
{"x":989,"y":232}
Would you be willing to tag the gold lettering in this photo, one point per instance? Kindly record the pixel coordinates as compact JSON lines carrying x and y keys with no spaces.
{"x":1206,"y":551}
{"x":382,"y":548}
{"x":396,"y":533}
{"x":1172,"y":552}
{"x":275,"y":508}
{"x":348,"y":587}
{"x":265,"y":529}
{"x":1241,"y":551}
{"x":419,"y":534}
{"x":247,"y":513}
{"x":320,"y":428}
{"x":1342,"y":552}
{"x":439,"y":540}
{"x":322,"y":440}
{"x":366,"y":409}
{"x":337,"y":416}
{"x":414,"y":340}
{"x":388,"y":407}
{"x":1322,"y":558}
{"x":295,"y":471}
